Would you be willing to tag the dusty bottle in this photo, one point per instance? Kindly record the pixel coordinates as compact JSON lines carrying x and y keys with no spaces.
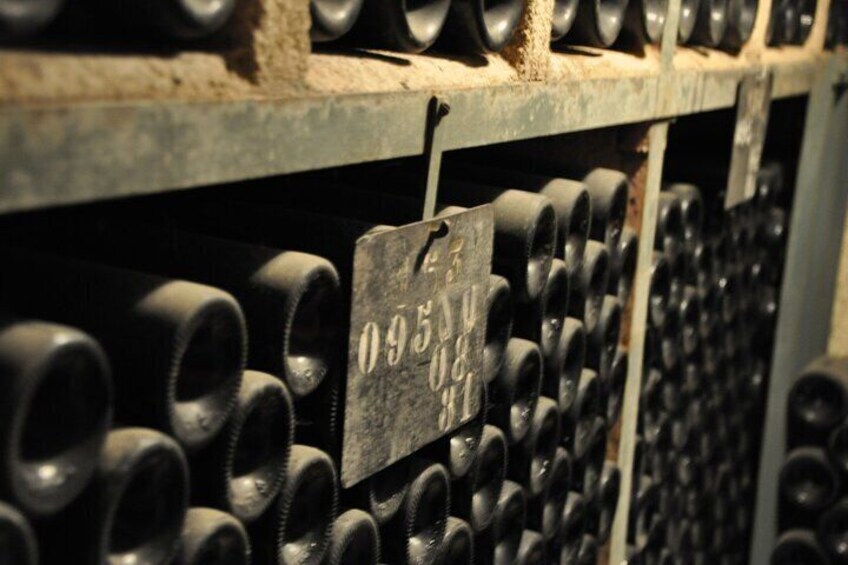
{"x":508,"y":523}
{"x":531,"y":549}
{"x":818,"y":401}
{"x":458,"y":449}
{"x":711,"y":23}
{"x":19,"y":545}
{"x":176,"y":19}
{"x":20,"y":19}
{"x":692,"y":211}
{"x":670,"y":235}
{"x":177,"y":348}
{"x":608,"y":189}
{"x":383,"y":493}
{"x":644,"y":20}
{"x":458,"y":544}
{"x":832,"y":532}
{"x":475,"y":496}
{"x":590,"y":286}
{"x":615,"y":386}
{"x":599,"y":23}
{"x":292,"y":301}
{"x":133,"y":510}
{"x":610,"y":484}
{"x":623,"y":266}
{"x":331,"y":20}
{"x":55,"y":412}
{"x":298,"y":527}
{"x":243,"y":469}
{"x":498,"y":326}
{"x":569,"y":198}
{"x":741,"y":15}
{"x":515,"y":391}
{"x":531,"y":461}
{"x":541,"y":320}
{"x":406,"y":27}
{"x":562,"y":369}
{"x":565,"y":12}
{"x":808,"y":485}
{"x":659,"y":292}
{"x":482,"y":28}
{"x":525,"y":233}
{"x":798,"y":546}
{"x":355,"y":540}
{"x":416,"y":532}
{"x":548,"y":519}
{"x":603,"y":340}
{"x":577,"y":423}
{"x":212,"y":537}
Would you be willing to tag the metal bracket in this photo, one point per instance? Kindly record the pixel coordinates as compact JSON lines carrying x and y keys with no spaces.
{"x":436,"y":111}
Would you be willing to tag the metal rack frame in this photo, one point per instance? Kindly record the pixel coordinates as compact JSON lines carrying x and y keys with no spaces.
{"x":74,"y":153}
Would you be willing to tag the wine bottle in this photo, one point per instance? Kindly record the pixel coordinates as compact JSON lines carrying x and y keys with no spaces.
{"x":565,"y":11}
{"x":382,"y":494}
{"x":623,"y":266}
{"x":808,"y":483}
{"x":711,"y":23}
{"x":609,"y":192}
{"x":355,"y":540}
{"x":525,"y":232}
{"x":659,"y":290}
{"x":541,"y":320}
{"x":573,"y":515}
{"x":458,"y":544}
{"x":609,"y":487}
{"x":508,"y":523}
{"x":691,"y":207}
{"x":588,"y":554}
{"x":498,"y":326}
{"x":563,"y":368}
{"x":644,"y":20}
{"x":475,"y":27}
{"x":741,"y":15}
{"x":177,"y":348}
{"x":577,"y":423}
{"x":410,"y":28}
{"x":331,"y":19}
{"x":670,"y":232}
{"x":555,"y":496}
{"x":133,"y":510}
{"x":458,"y":449}
{"x":603,"y":340}
{"x":691,"y":318}
{"x":298,"y":527}
{"x":176,"y":19}
{"x":19,"y":545}
{"x":531,"y":461}
{"x":20,"y":19}
{"x":818,"y":401}
{"x":474,"y":497}
{"x":531,"y":549}
{"x":292,"y":301}
{"x":569,"y":198}
{"x":515,"y":391}
{"x":837,"y":448}
{"x":798,"y":546}
{"x":589,"y":288}
{"x":415,"y":534}
{"x":55,"y":412}
{"x":617,"y":381}
{"x":243,"y":469}
{"x":212,"y":537}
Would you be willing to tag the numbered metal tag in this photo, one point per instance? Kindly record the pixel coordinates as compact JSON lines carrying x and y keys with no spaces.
{"x":417,"y":331}
{"x":754,"y":100}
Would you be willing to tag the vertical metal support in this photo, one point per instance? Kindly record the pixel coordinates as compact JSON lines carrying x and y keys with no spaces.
{"x":657,"y":136}
{"x":436,"y":111}
{"x":808,"y":282}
